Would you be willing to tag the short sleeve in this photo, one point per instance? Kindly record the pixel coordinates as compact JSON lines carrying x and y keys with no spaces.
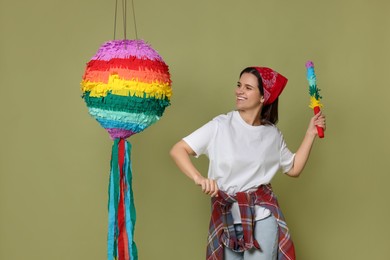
{"x":200,"y":139}
{"x":286,"y":157}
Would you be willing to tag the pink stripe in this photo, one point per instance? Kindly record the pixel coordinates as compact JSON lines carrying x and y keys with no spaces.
{"x":125,"y":48}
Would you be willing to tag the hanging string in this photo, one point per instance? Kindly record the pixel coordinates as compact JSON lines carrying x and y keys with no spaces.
{"x":116,"y":9}
{"x":124,"y":16}
{"x":135,"y":22}
{"x":124,"y":9}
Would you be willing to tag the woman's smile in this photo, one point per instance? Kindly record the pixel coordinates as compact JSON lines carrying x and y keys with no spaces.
{"x":247,"y":92}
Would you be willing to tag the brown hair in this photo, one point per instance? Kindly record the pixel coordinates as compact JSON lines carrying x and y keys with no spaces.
{"x":269,"y":113}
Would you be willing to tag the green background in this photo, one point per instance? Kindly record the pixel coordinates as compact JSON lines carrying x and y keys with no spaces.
{"x":54,"y":160}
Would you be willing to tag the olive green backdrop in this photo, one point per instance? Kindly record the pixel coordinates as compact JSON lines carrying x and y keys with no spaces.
{"x":54,"y":160}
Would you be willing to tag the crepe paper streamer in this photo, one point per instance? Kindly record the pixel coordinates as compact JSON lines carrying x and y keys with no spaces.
{"x":121,"y":209}
{"x":315,"y":98}
{"x":126,"y":87}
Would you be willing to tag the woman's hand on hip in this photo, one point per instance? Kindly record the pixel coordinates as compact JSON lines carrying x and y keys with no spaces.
{"x":209,"y":186}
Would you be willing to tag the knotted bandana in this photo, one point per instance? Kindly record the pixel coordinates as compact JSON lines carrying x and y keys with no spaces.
{"x":273,"y":84}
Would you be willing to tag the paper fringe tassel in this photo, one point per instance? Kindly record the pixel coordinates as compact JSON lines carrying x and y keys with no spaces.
{"x":121,"y":209}
{"x":315,"y":97}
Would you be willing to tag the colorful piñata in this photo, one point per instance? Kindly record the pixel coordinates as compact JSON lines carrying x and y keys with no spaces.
{"x":126,"y":87}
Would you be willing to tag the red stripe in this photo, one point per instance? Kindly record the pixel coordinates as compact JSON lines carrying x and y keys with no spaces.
{"x":122,"y":236}
{"x":132,"y":63}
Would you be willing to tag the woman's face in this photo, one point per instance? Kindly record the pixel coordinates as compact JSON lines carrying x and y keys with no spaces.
{"x":248,"y":95}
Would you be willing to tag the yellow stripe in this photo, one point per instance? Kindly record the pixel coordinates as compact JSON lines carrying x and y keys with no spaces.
{"x":315,"y":102}
{"x":122,"y":87}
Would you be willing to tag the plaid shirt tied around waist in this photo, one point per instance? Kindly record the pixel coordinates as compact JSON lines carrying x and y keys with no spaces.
{"x":222,"y":232}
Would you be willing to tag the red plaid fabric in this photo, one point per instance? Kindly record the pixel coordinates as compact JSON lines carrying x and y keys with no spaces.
{"x":221,"y":230}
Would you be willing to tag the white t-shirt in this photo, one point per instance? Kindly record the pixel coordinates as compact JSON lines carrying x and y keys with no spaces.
{"x":242,"y":157}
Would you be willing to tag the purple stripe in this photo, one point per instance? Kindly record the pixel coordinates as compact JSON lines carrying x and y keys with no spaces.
{"x":309,"y":64}
{"x":126,"y":48}
{"x":119,"y":133}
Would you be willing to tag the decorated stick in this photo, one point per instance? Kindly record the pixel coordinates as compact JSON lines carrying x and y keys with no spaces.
{"x":315,"y":97}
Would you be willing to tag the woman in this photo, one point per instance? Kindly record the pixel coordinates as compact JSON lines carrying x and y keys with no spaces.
{"x":246,"y":150}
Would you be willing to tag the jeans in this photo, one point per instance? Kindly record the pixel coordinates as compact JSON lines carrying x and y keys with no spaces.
{"x":266,"y":233}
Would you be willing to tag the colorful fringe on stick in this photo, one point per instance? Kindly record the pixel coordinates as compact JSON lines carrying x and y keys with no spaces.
{"x":315,"y":98}
{"x":126,"y":87}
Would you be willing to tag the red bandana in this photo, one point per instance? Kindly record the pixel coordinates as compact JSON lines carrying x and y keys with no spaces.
{"x":273,"y":84}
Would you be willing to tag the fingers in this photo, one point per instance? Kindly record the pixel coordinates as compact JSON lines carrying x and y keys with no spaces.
{"x":320,"y":120}
{"x":317,"y":115}
{"x":209,"y":187}
{"x":215,"y":193}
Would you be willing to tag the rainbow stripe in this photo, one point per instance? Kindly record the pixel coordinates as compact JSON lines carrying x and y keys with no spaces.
{"x":315,"y":98}
{"x":126,"y":87}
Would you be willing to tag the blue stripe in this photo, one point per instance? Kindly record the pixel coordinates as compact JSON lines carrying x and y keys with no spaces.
{"x":121,"y":125}
{"x":123,"y":116}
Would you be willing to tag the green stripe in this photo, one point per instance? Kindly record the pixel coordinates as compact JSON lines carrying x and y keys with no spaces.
{"x":150,"y":106}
